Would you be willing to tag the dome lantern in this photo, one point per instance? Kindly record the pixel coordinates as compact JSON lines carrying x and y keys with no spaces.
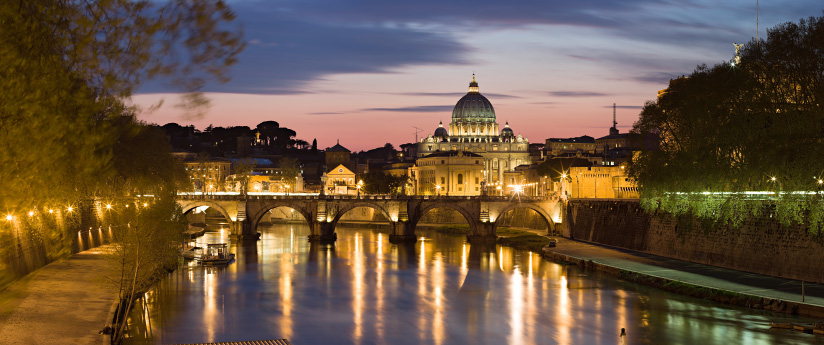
{"x":473,"y":85}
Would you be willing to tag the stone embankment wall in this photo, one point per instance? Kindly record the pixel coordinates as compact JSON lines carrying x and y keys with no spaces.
{"x":761,"y":246}
{"x":31,"y":242}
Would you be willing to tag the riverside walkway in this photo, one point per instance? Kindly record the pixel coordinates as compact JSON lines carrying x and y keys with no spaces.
{"x":66,"y":301}
{"x":784,"y":293}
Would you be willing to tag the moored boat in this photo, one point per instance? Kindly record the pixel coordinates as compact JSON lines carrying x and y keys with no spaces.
{"x":216,"y":254}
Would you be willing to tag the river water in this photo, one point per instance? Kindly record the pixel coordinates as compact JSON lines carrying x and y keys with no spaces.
{"x":439,"y":290}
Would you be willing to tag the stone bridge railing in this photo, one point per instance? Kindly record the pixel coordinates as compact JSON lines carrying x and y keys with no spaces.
{"x":322,"y":212}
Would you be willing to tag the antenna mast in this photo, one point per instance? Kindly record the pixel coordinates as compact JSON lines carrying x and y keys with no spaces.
{"x":756,"y":24}
{"x":417,"y":130}
{"x":614,"y":121}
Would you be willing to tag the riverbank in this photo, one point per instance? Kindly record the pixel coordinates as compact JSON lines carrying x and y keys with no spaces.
{"x":526,"y":239}
{"x":717,"y":284}
{"x":63,"y":300}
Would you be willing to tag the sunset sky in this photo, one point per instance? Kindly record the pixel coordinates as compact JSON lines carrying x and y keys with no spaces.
{"x":368,"y":71}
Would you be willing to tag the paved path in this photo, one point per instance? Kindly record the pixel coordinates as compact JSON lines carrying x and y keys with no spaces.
{"x":65,"y":302}
{"x":693,"y":273}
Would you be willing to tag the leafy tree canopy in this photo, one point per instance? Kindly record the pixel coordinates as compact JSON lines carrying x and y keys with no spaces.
{"x":755,"y":123}
{"x":68,"y":67}
{"x":377,"y":182}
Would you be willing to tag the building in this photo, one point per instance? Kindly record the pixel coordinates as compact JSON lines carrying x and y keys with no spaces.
{"x":209,"y":174}
{"x":615,"y":140}
{"x":582,"y":144}
{"x":600,"y":182}
{"x":397,"y":169}
{"x":340,"y":180}
{"x":474,"y":129}
{"x":448,"y":173}
{"x":337,"y":155}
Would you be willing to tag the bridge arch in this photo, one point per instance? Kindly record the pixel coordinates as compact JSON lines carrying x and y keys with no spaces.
{"x":273,"y":204}
{"x":550,"y":222}
{"x":470,"y":219}
{"x":188,"y":206}
{"x":363,"y":203}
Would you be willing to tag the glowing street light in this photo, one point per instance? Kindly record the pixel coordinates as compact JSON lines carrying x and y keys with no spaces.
{"x":51,"y":211}
{"x":438,"y":189}
{"x":9,"y":217}
{"x":31,"y":213}
{"x":70,"y":209}
{"x":108,"y":206}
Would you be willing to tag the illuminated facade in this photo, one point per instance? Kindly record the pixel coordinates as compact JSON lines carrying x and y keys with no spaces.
{"x":208,"y":175}
{"x":340,"y":180}
{"x":448,"y":173}
{"x":474,"y":129}
{"x":601,"y":182}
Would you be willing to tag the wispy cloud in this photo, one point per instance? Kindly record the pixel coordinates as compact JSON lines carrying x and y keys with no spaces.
{"x":655,"y":78}
{"x":577,"y":94}
{"x":454,"y":94}
{"x":419,"y":108}
{"x":625,"y":106}
{"x":327,"y":113}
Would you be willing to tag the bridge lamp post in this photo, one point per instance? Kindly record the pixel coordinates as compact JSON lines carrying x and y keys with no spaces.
{"x":287,"y":189}
{"x":438,"y":189}
{"x":563,"y":184}
{"x":359,"y":186}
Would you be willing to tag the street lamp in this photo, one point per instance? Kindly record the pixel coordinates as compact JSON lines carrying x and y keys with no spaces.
{"x":438,"y":189}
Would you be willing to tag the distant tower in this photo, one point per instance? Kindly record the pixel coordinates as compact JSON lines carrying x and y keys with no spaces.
{"x":614,"y":129}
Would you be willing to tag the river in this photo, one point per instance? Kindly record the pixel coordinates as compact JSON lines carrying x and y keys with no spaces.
{"x":439,"y":290}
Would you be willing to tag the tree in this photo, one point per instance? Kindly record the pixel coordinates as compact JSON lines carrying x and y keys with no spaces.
{"x":376,"y":182}
{"x":289,"y":170}
{"x":733,"y":128}
{"x":242,"y":169}
{"x":67,"y":68}
{"x":67,"y":133}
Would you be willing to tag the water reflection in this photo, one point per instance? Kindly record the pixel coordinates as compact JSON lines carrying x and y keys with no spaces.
{"x":439,"y":290}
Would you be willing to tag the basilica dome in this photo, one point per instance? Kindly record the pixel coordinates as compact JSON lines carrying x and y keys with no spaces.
{"x":441,"y":132}
{"x":473,"y":107}
{"x":507,"y":132}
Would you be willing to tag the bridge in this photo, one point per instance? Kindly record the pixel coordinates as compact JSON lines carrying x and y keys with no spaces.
{"x":323,"y":212}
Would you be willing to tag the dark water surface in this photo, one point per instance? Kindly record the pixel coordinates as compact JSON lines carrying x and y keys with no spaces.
{"x":440,"y":290}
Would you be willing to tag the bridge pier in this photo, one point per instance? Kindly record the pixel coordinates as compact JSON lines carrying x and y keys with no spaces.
{"x":242,"y":230}
{"x":403,"y":232}
{"x":484,"y":233}
{"x":323,"y":232}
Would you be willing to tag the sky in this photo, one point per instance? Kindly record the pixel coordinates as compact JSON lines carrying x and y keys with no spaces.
{"x":367,"y":72}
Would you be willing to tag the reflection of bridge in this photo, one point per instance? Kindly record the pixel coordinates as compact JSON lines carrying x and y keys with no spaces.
{"x":323,"y":212}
